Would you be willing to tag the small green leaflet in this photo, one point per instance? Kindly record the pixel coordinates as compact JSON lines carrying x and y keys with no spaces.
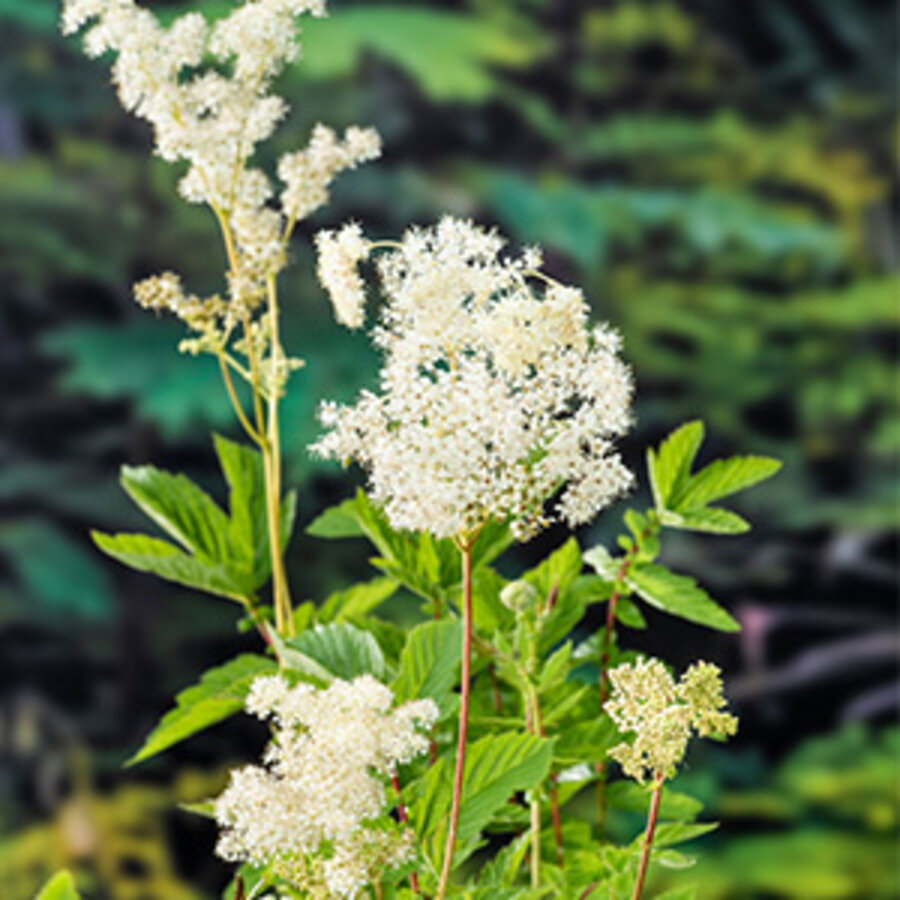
{"x":358,"y":600}
{"x":220,"y":693}
{"x":429,"y":663}
{"x":671,"y":464}
{"x":679,"y":596}
{"x":339,"y":650}
{"x":60,"y":887}
{"x":682,"y":498}
{"x":722,"y":478}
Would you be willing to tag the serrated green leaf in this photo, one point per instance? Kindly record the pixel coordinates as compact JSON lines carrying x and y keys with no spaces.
{"x":358,"y":600}
{"x":248,"y":529}
{"x":627,"y":613}
{"x":670,"y":834}
{"x":340,"y":649}
{"x":339,"y":521}
{"x":159,"y":557}
{"x":679,"y":596}
{"x":630,"y":796}
{"x":670,"y":465}
{"x":722,"y":478}
{"x":60,"y":887}
{"x":220,"y":693}
{"x":429,"y":662}
{"x":180,"y":508}
{"x":710,"y":519}
{"x":496,"y":767}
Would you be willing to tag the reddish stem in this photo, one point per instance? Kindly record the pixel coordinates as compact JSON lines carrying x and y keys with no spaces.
{"x":648,"y":838}
{"x":404,"y":818}
{"x":466,"y":550}
{"x":557,"y":821}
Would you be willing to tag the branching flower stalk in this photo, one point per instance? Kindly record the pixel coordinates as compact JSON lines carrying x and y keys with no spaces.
{"x":661,"y":714}
{"x":205,"y":88}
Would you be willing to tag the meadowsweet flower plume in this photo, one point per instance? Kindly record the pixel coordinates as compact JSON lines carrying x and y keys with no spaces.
{"x":206,"y":90}
{"x":315,"y":811}
{"x":495,"y":393}
{"x":662,"y":714}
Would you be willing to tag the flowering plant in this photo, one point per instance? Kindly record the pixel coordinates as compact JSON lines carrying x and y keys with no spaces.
{"x":438,"y":761}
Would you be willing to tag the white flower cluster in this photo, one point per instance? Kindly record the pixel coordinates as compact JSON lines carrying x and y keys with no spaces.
{"x":310,"y":811}
{"x":205,"y":89}
{"x":495,"y":392}
{"x":662,"y":714}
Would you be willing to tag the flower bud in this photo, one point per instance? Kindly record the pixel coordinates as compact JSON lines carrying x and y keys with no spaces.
{"x":519,"y":596}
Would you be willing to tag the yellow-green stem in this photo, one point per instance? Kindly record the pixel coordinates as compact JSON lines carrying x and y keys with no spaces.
{"x":272,"y":458}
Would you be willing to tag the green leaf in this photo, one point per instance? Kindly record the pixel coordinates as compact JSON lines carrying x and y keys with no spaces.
{"x":722,"y":478}
{"x":60,"y":887}
{"x":628,"y":614}
{"x":180,"y":508}
{"x":632,"y":797}
{"x":429,"y":662}
{"x":710,"y":519}
{"x":220,"y":693}
{"x":496,"y":768}
{"x":356,"y":601}
{"x":340,"y":649}
{"x":670,"y":465}
{"x":679,"y":596}
{"x":501,"y":871}
{"x":339,"y":521}
{"x":670,"y":834}
{"x":248,"y":529}
{"x":148,"y":554}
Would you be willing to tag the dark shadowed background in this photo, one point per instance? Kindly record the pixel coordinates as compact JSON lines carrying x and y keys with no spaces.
{"x":720,"y":177}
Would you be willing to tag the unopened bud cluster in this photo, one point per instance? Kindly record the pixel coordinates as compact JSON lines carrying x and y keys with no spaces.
{"x":662,"y":714}
{"x":316,"y":810}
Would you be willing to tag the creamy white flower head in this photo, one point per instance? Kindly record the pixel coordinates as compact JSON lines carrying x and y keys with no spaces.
{"x":206,"y":90}
{"x":307,"y":811}
{"x":340,"y":252}
{"x":495,"y":393}
{"x":662,"y":713}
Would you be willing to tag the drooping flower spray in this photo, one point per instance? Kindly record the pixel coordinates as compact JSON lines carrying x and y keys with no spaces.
{"x":206,"y":89}
{"x":497,"y":400}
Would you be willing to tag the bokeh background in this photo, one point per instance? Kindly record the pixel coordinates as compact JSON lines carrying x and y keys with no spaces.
{"x":721,"y":179}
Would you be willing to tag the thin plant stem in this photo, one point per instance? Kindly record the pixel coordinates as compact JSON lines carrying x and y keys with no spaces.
{"x":608,"y":632}
{"x":236,"y":403}
{"x":281,"y":588}
{"x":404,"y":818}
{"x":466,"y":551}
{"x":265,"y":434}
{"x":648,"y":837}
{"x":536,"y":727}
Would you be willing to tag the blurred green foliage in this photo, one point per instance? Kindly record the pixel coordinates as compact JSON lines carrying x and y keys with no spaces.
{"x":721,"y":179}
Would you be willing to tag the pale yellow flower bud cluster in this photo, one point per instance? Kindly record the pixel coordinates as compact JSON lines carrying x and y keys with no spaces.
{"x":205,"y":87}
{"x":662,"y":714}
{"x":306,"y":811}
{"x":495,"y":392}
